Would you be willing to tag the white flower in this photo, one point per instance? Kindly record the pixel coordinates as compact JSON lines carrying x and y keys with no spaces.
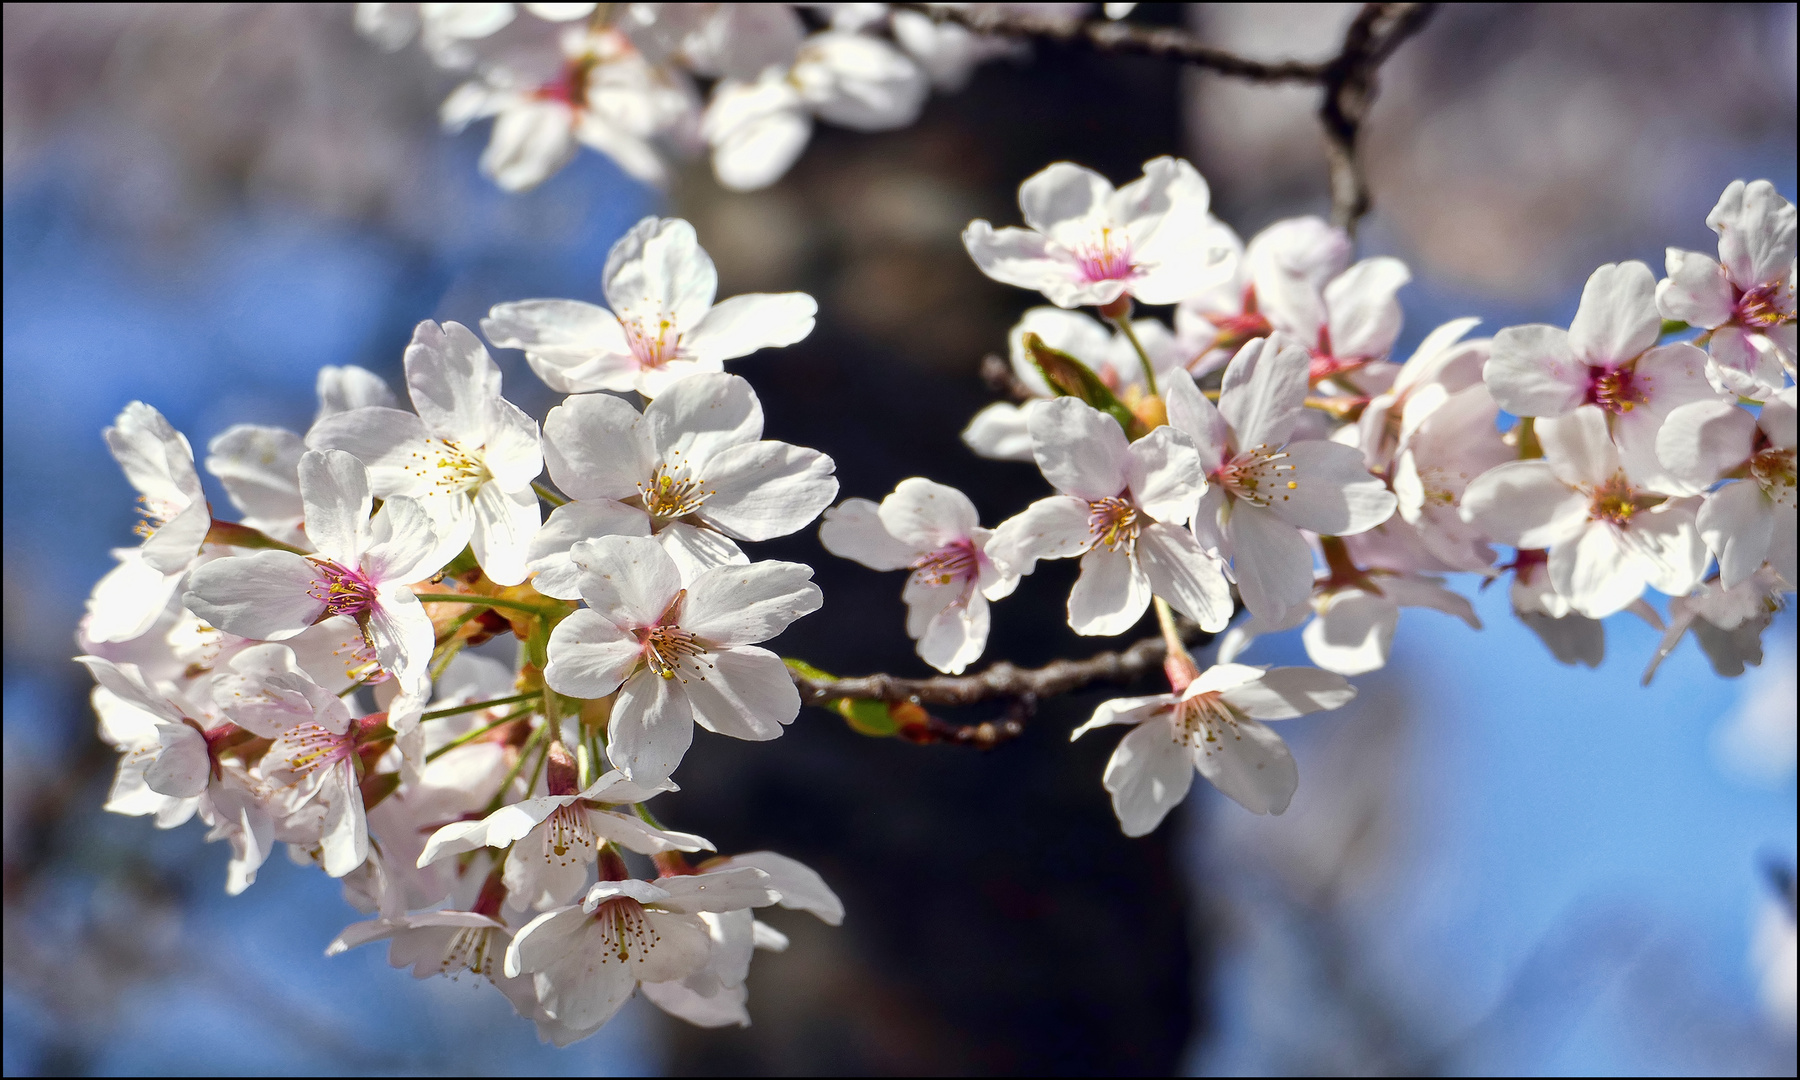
{"x":1349,"y":324}
{"x":1353,"y":618}
{"x":948,"y":52}
{"x":1211,"y":726}
{"x":1607,"y":537}
{"x":468,"y":458}
{"x":678,"y":652}
{"x":1089,"y":244}
{"x":556,"y":837}
{"x":1728,"y":624}
{"x":1282,"y":275}
{"x":160,"y":465}
{"x":587,"y":960}
{"x":999,"y":430}
{"x":1748,"y":521}
{"x":663,"y":325}
{"x":607,"y":97}
{"x":445,"y":29}
{"x":1445,"y":442}
{"x":757,"y":126}
{"x":1263,"y":488}
{"x":1608,"y":358}
{"x":1121,"y":508}
{"x":361,"y":571}
{"x":693,"y":470}
{"x":934,"y":531}
{"x":1746,"y":299}
{"x":1444,"y":364}
{"x":716,"y":40}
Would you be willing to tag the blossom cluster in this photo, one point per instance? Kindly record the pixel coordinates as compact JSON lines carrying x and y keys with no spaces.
{"x":309,"y":675}
{"x":627,"y":80}
{"x":305,"y":675}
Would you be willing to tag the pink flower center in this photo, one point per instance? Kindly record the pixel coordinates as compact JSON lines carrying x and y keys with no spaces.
{"x":666,"y":645}
{"x":1108,"y":259}
{"x":947,"y":565}
{"x":342,"y":590}
{"x":1616,"y":390}
{"x":1615,"y":502}
{"x":654,"y":343}
{"x":317,"y":747}
{"x":1258,"y":476}
{"x":623,"y":928}
{"x":1766,"y":306}
{"x":1113,"y":521}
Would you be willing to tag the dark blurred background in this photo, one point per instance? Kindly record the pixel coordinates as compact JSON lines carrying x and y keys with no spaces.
{"x":1494,"y":864}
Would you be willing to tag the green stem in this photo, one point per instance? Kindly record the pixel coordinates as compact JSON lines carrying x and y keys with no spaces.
{"x":649,"y":818}
{"x":477,"y":706}
{"x":471,"y":736}
{"x":512,"y":774}
{"x":451,"y":648}
{"x":545,"y":493}
{"x":482,"y":601}
{"x":1123,"y":322}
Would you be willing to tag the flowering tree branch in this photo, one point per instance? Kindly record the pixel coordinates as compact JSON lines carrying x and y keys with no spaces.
{"x":1348,"y":79}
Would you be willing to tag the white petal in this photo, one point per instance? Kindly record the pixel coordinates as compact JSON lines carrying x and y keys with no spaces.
{"x":1597,"y":573}
{"x":1532,"y":371}
{"x":651,"y":728}
{"x":1365,"y":319}
{"x":1061,"y":193}
{"x":404,"y":545}
{"x":1264,"y":391}
{"x":741,"y":605}
{"x":531,"y":140}
{"x":1189,"y":578}
{"x":700,"y":416}
{"x":1196,"y":417}
{"x":385,"y":440}
{"x":957,"y":631}
{"x":1148,"y":775}
{"x":1018,"y":257}
{"x":1703,"y":440}
{"x":1080,"y":450}
{"x":1738,"y":522}
{"x":999,"y":432}
{"x":853,"y":530}
{"x":1579,"y":447}
{"x":695,"y":550}
{"x":1696,"y":291}
{"x":261,"y":595}
{"x":1353,"y":632}
{"x":453,"y":381}
{"x":1052,"y":528}
{"x":402,"y":634}
{"x":800,"y":887}
{"x":627,"y":579}
{"x":1333,"y":494}
{"x":1756,"y":232}
{"x":1525,"y":504}
{"x":1252,"y":765}
{"x":766,"y":489}
{"x":589,"y":656}
{"x":594,"y":448}
{"x":554,"y":573}
{"x":746,"y":694}
{"x":1287,"y":692}
{"x":1617,"y":318}
{"x":1132,"y":710}
{"x":928,"y":515}
{"x":505,"y":525}
{"x":567,"y":331}
{"x":743,"y":324}
{"x":1163,"y":474}
{"x":343,"y":388}
{"x":127,"y":601}
{"x":659,"y":266}
{"x":259,"y":467}
{"x":1274,"y":565}
{"x":1111,"y":594}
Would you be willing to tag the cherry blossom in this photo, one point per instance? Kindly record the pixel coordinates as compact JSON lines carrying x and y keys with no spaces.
{"x":758,"y":124}
{"x":1446,"y":441}
{"x":663,"y":326}
{"x":554,"y":838}
{"x":999,"y":431}
{"x":605,"y":96}
{"x":678,"y":650}
{"x":692,"y":470}
{"x":1213,"y":726}
{"x":1747,"y":521}
{"x":1281,"y":273}
{"x":1350,"y":324}
{"x":1607,"y":359}
{"x":1263,"y":488}
{"x":1745,"y":300}
{"x":1727,"y":623}
{"x":361,"y":571}
{"x":1607,"y":537}
{"x":468,"y":458}
{"x":1087,"y":243}
{"x":587,"y":959}
{"x":1120,"y":507}
{"x":933,"y":531}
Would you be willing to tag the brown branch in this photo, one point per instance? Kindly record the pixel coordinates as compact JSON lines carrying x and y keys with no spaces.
{"x":1349,"y":80}
{"x":1109,"y":36}
{"x":1002,"y":680}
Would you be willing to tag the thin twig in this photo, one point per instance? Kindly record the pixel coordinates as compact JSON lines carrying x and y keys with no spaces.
{"x":1002,"y":680}
{"x":1349,"y":81}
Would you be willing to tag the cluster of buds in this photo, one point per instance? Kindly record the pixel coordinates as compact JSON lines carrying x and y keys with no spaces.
{"x":644,"y":83}
{"x":305,"y":675}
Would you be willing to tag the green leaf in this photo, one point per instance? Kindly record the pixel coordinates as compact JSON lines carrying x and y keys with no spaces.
{"x":1674,"y":326}
{"x":1070,"y":377}
{"x":807,"y":671}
